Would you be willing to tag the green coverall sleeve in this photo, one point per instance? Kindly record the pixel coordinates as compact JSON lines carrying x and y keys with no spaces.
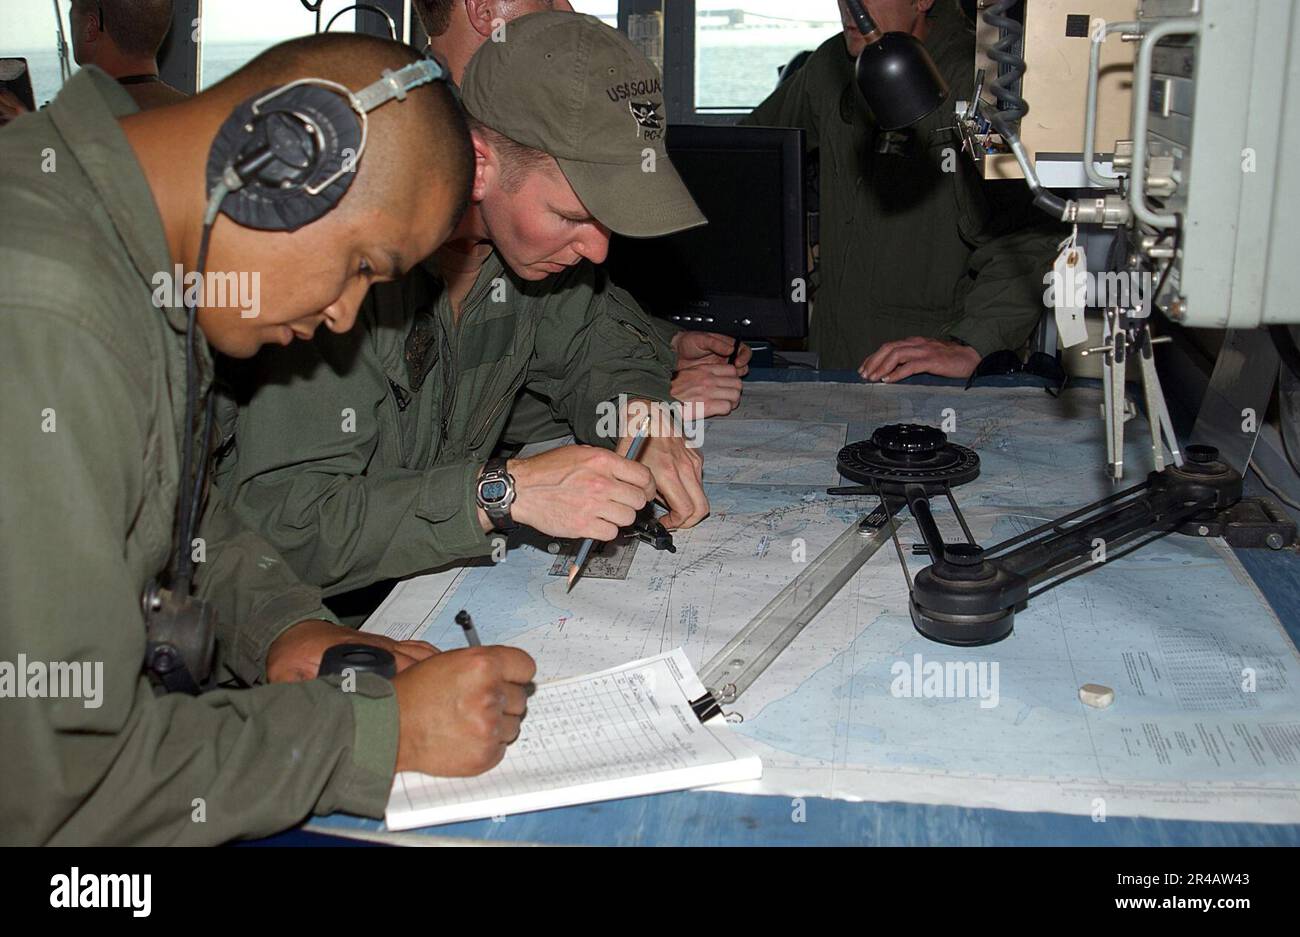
{"x":593,"y":346}
{"x":129,"y":766}
{"x":788,"y":106}
{"x":1001,"y":298}
{"x":304,"y":476}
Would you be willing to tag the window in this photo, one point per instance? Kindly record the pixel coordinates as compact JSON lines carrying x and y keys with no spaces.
{"x":607,"y":10}
{"x":235,"y":31}
{"x":740,"y":44}
{"x":31,"y":32}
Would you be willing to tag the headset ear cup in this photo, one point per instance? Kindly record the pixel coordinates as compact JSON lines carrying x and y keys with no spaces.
{"x":274,"y":196}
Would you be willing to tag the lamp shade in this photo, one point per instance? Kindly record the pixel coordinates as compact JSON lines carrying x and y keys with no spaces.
{"x":899,"y":80}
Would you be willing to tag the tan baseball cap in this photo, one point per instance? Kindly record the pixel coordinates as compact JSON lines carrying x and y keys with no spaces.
{"x":569,"y":85}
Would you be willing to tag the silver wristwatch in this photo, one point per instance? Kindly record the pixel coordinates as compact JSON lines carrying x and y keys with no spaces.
{"x":495,"y":493}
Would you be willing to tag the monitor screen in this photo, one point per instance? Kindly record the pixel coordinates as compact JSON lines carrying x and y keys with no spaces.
{"x":734,"y":275}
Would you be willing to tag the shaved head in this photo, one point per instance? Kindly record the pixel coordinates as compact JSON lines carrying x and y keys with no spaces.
{"x":410,"y":187}
{"x":424,"y":137}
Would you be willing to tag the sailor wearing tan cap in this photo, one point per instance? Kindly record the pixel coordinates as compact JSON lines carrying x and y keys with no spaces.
{"x":369,"y":457}
{"x":702,"y":374}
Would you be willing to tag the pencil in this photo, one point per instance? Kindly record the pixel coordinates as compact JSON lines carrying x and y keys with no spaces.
{"x":632,"y":451}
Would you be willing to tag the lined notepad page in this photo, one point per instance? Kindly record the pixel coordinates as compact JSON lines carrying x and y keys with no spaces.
{"x":622,"y":732}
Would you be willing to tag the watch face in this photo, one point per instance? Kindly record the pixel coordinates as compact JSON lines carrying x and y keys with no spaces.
{"x":492,"y":491}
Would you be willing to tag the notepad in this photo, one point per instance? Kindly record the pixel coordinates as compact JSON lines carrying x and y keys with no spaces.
{"x":623,"y":732}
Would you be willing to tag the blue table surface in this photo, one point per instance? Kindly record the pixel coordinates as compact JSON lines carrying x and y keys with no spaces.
{"x":713,"y":819}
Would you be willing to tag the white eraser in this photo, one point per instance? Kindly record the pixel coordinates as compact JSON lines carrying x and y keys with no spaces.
{"x":1096,"y":695}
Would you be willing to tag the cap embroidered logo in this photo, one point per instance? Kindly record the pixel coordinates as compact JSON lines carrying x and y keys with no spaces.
{"x":647,"y":117}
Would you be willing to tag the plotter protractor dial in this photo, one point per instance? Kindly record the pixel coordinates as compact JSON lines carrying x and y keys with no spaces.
{"x":903,"y":454}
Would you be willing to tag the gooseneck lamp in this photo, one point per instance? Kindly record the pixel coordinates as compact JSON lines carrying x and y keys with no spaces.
{"x":896,"y":75}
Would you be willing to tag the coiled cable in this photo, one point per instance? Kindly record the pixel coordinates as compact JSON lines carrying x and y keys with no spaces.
{"x":1008,"y":53}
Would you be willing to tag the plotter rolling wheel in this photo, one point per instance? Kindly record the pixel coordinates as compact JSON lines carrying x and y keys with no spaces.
{"x":962,"y":630}
{"x":964,"y":600}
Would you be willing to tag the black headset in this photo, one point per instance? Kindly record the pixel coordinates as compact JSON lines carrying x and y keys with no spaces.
{"x":281,"y":160}
{"x":287,"y":156}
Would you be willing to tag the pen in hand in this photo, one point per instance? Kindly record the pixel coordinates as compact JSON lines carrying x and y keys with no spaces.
{"x":471,"y":637}
{"x":734,"y":352}
{"x":467,"y":624}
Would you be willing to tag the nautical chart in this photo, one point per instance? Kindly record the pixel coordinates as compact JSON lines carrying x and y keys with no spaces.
{"x":1206,"y":719}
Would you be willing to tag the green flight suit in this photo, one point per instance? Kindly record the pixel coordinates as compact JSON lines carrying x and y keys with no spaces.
{"x":358,"y":462}
{"x":909,"y":244}
{"x":531,"y":418}
{"x":92,"y":390}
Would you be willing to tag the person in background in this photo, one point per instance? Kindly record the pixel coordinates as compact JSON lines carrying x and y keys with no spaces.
{"x":123,"y":38}
{"x":128,"y":53}
{"x":924,"y":267}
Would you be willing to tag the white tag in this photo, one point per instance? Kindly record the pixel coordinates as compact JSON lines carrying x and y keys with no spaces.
{"x":1070,"y":292}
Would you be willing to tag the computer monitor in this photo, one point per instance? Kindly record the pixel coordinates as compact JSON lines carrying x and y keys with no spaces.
{"x":737,"y":274}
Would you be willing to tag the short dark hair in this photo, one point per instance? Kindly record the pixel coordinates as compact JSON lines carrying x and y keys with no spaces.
{"x":138,"y":27}
{"x":518,"y":161}
{"x":435,"y":15}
